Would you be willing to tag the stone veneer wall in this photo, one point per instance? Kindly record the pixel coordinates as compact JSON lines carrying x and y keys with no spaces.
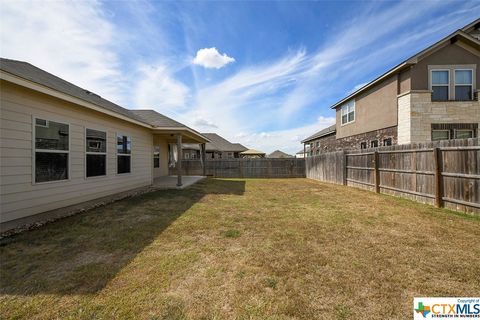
{"x":417,"y":112}
{"x":404,"y":123}
{"x":330,"y":143}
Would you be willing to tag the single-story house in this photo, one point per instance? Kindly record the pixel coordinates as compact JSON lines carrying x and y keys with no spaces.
{"x":62,"y":145}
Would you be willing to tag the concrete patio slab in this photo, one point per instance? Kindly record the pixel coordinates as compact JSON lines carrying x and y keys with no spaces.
{"x":170,"y":182}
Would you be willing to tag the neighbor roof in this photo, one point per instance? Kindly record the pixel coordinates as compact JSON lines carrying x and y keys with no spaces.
{"x":321,"y":133}
{"x":461,"y":33}
{"x":279,"y":154}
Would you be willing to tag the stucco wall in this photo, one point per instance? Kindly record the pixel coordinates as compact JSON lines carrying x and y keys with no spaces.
{"x":451,"y":54}
{"x":374,"y":109}
{"x":20,"y":196}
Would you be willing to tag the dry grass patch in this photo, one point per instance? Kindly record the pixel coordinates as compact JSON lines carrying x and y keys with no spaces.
{"x":242,"y":249}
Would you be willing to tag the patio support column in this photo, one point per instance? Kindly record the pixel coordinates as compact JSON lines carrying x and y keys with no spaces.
{"x":179,"y":160}
{"x":203,"y":154}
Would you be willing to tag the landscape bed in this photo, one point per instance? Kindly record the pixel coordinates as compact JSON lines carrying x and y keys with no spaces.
{"x":244,"y":249}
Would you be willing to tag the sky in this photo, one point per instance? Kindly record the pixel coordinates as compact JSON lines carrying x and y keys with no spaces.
{"x":260,"y":73}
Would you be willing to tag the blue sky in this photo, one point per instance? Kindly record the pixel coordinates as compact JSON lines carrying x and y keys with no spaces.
{"x":275,"y":70}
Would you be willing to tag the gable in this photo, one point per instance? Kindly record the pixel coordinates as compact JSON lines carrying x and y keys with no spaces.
{"x":458,"y":53}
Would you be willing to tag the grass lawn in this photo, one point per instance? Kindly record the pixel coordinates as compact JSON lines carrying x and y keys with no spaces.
{"x":242,"y":249}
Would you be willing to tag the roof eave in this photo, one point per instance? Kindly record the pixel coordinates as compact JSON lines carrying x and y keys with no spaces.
{"x":317,"y":137}
{"x":4,"y":75}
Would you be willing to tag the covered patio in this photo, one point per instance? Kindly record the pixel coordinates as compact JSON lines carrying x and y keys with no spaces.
{"x":168,"y":138}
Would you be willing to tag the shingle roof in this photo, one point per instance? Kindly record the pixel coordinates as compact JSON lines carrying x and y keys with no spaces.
{"x":156,"y":119}
{"x":29,"y":72}
{"x":321,"y":133}
{"x":218,"y":143}
{"x":279,"y":154}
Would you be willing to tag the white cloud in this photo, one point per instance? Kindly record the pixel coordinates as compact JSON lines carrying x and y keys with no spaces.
{"x":211,"y":58}
{"x":204,"y":123}
{"x":70,"y":39}
{"x":286,"y":140}
{"x":158,"y":89}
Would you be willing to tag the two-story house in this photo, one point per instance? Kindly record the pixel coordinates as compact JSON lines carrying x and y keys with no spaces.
{"x":430,"y":96}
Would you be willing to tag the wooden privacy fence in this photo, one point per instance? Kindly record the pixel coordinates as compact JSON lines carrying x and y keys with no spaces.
{"x":245,"y":168}
{"x":445,"y":173}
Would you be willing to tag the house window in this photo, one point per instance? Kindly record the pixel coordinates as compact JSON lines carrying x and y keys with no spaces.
{"x":187,"y":155}
{"x":95,"y":153}
{"x":348,"y":112}
{"x":124,"y":154}
{"x":463,"y":133}
{"x":363,"y":145}
{"x":463,"y":84}
{"x":318,"y":144}
{"x":374,"y":144}
{"x":156,"y":157}
{"x":387,"y":142}
{"x":440,"y":85}
{"x":51,"y":150}
{"x":318,"y":151}
{"x":440,"y":135}
{"x":194,"y":156}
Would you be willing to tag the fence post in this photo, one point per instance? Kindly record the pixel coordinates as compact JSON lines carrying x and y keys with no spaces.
{"x":345,"y":172}
{"x":377,"y":172}
{"x":437,"y":162}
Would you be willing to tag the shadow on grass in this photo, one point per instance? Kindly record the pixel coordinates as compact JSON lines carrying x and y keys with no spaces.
{"x":82,"y":253}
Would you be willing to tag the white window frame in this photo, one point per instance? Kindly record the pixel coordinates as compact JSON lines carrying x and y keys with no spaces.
{"x":448,"y":130}
{"x":371,"y":143}
{"x":96,"y":153}
{"x":455,"y":133}
{"x":35,"y":150}
{"x":41,"y":125}
{"x":342,"y":113}
{"x":123,"y":154}
{"x":430,"y":78}
{"x":187,"y":156}
{"x":455,"y":82}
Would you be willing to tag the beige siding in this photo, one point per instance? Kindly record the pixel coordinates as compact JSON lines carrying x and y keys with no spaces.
{"x":374,"y":109}
{"x":20,"y":197}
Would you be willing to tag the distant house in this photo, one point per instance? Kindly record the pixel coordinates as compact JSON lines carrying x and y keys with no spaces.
{"x":431,"y":96}
{"x":279,"y":154}
{"x":300,"y":154}
{"x":217,"y":148}
{"x":62,"y":145}
{"x":252,"y":153}
{"x":321,"y":141}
